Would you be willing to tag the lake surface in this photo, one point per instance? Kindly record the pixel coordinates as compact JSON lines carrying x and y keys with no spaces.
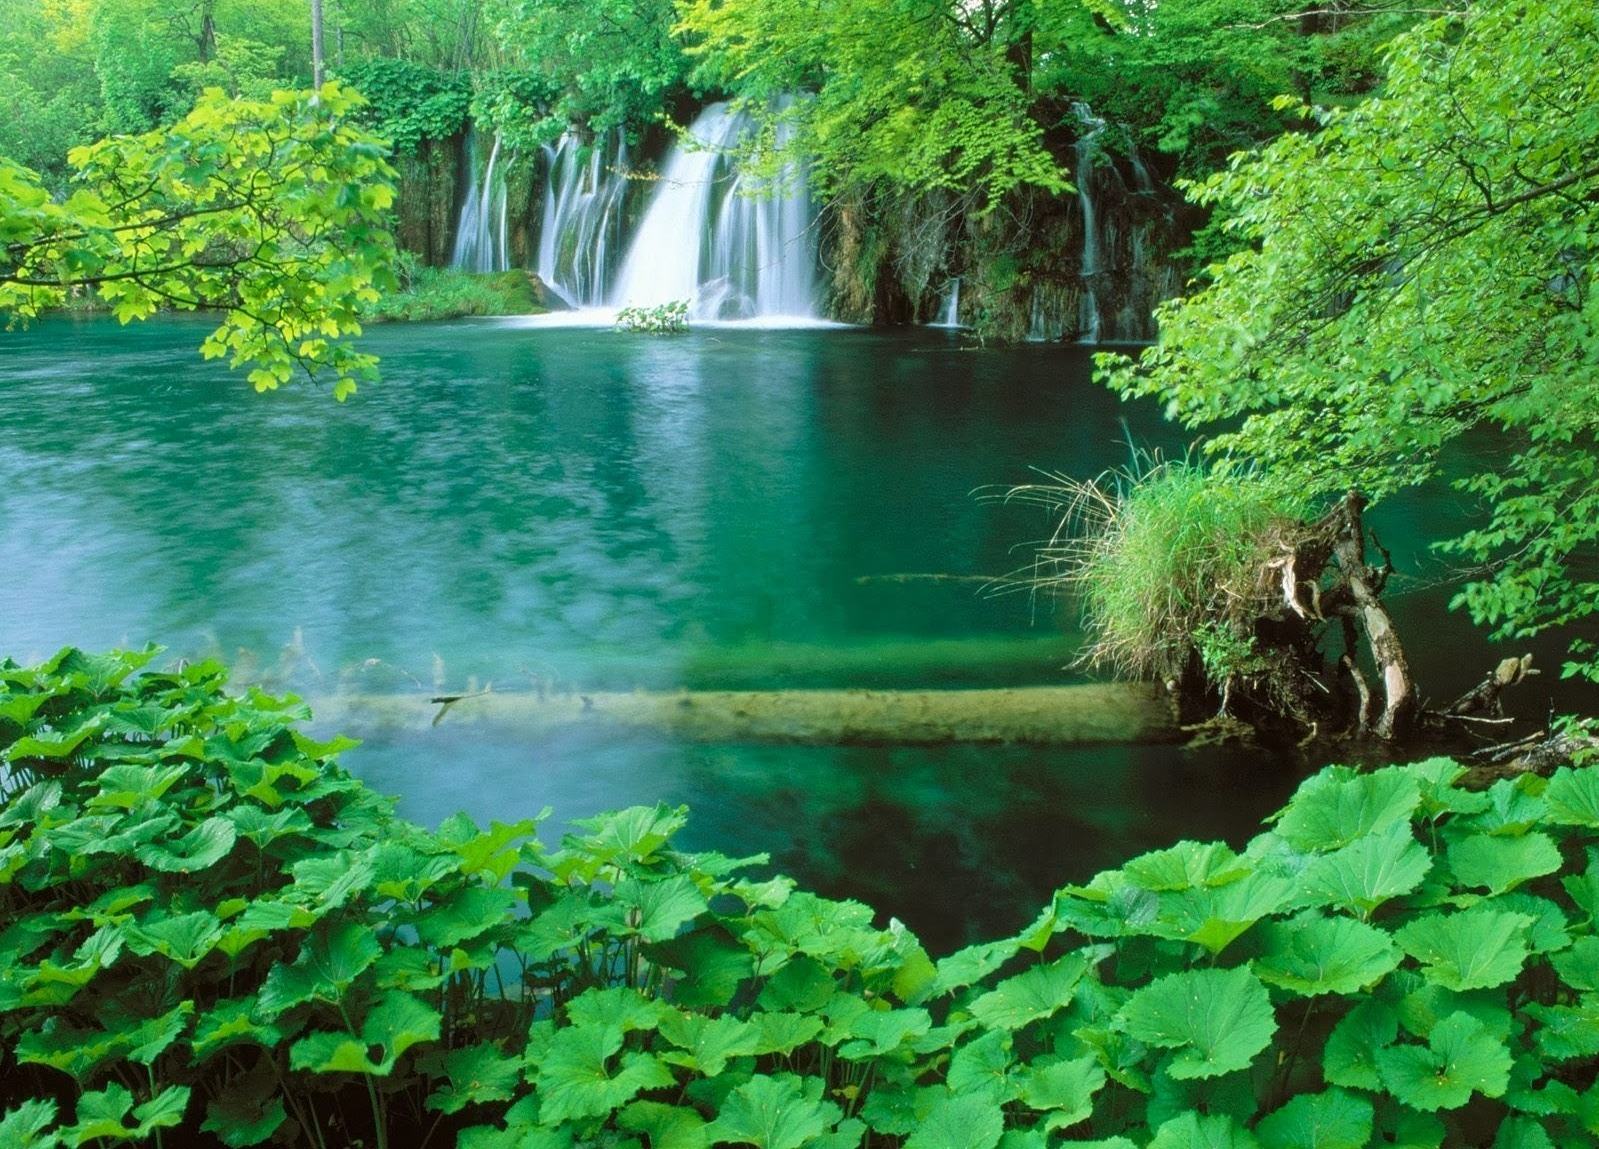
{"x":580,"y":509}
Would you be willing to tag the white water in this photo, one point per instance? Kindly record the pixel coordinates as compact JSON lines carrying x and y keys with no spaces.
{"x":950,"y":312}
{"x":1088,"y":319}
{"x":580,"y":227}
{"x":733,"y":248}
{"x":480,"y":236}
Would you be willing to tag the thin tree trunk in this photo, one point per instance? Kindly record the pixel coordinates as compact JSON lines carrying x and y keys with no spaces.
{"x":316,"y":44}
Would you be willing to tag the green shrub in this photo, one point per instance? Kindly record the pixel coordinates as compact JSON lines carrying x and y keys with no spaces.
{"x":444,"y":293}
{"x":207,"y":926}
{"x":1167,"y":564}
{"x":664,"y":319}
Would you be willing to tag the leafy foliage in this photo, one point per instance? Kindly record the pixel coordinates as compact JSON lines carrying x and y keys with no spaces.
{"x":330,"y":959}
{"x":271,"y":212}
{"x":408,"y":103}
{"x":1420,"y":267}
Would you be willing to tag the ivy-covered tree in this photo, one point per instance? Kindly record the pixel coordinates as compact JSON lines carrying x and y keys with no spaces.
{"x":1418,"y":269}
{"x":271,"y":212}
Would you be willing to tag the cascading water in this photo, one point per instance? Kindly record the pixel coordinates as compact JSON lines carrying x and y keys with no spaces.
{"x":950,"y":313}
{"x":1088,"y":320}
{"x":480,"y":235}
{"x":733,"y":248}
{"x":580,"y":227}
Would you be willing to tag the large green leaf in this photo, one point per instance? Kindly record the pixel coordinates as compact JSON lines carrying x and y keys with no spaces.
{"x":1340,"y":806}
{"x":708,"y":1044}
{"x":1311,"y":954}
{"x":124,"y":787}
{"x":1185,"y":866}
{"x":985,"y":1068}
{"x":1573,"y":796}
{"x":474,"y":1075}
{"x":28,"y":1126}
{"x":104,"y":1115}
{"x":199,"y":849}
{"x":1216,"y":1020}
{"x":969,"y":1121}
{"x":1578,"y":967}
{"x":623,"y":838}
{"x":783,"y":1032}
{"x":326,"y":883}
{"x":655,"y":908}
{"x":466,"y":913}
{"x":667,"y":1126}
{"x":1472,"y":949}
{"x":1503,"y":863}
{"x":185,"y":939}
{"x":328,"y":964}
{"x":1028,"y":996}
{"x":974,"y":963}
{"x":777,"y":1112}
{"x":391,"y":1027}
{"x":576,"y":1078}
{"x":1522,"y":1133}
{"x":1215,"y":916}
{"x":1567,"y":1032}
{"x":1193,"y":1131}
{"x":231,"y":1022}
{"x":1065,"y":1087}
{"x":1330,"y":1120}
{"x":621,"y":1008}
{"x":1461,"y":1058}
{"x":882,"y":1032}
{"x":1363,"y":875}
{"x":1350,"y":1056}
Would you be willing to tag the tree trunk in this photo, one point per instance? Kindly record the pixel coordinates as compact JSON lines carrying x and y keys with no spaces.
{"x":316,"y":44}
{"x":1399,"y":691}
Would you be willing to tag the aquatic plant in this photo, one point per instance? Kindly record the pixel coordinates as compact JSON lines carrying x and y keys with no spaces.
{"x":662,"y":319}
{"x":208,"y":927}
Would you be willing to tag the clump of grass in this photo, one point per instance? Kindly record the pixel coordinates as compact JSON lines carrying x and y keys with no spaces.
{"x":444,"y":293}
{"x":1168,"y":562}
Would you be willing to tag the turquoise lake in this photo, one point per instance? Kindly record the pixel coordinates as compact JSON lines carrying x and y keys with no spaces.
{"x":576,"y":509}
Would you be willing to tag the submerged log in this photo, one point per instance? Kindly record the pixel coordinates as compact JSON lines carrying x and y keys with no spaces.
{"x":1098,"y":713}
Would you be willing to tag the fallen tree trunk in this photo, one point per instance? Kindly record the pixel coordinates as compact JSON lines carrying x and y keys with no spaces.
{"x":1097,"y":713}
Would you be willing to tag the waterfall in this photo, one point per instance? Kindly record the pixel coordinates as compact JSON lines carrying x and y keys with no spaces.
{"x":733,"y":247}
{"x":1088,"y":321}
{"x":950,"y":311}
{"x":580,"y":225}
{"x":480,"y":235}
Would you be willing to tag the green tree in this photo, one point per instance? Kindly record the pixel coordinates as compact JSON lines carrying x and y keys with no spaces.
{"x":591,"y":64}
{"x":922,"y":93}
{"x":1420,"y":268}
{"x":271,"y":212}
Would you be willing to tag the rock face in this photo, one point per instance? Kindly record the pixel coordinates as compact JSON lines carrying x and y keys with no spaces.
{"x":426,"y":203}
{"x":1038,"y":267}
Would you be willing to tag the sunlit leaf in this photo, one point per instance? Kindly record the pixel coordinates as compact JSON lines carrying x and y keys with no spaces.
{"x":1216,"y":1020}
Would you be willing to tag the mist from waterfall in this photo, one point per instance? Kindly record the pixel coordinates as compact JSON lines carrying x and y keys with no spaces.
{"x":732,"y":245}
{"x":480,"y":236}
